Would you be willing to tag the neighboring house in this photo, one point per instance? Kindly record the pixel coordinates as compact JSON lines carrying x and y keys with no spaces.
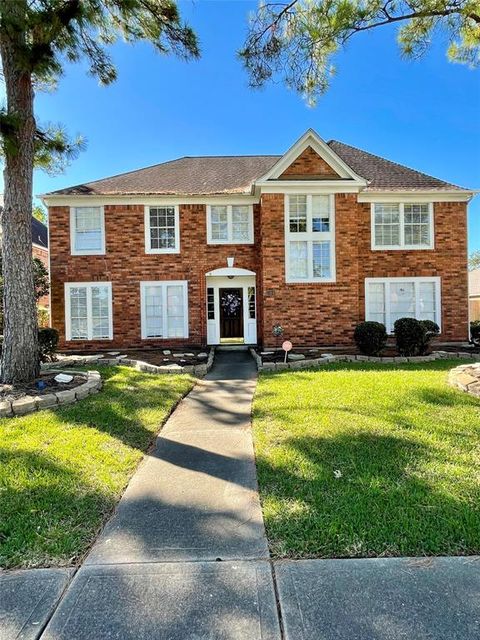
{"x":39,"y":247}
{"x":474,"y":294}
{"x":209,"y":250}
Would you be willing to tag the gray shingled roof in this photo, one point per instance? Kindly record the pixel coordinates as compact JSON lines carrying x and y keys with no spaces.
{"x":209,"y":175}
{"x":39,"y":233}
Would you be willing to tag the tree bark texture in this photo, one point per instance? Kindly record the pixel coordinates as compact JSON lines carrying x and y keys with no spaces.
{"x":20,"y":361}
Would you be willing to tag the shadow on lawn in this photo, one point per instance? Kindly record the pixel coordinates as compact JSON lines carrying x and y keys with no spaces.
{"x":117,"y":409}
{"x":387,"y":501}
{"x":53,"y":518}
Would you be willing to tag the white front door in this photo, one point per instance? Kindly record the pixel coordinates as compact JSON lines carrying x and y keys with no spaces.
{"x":231,"y":309}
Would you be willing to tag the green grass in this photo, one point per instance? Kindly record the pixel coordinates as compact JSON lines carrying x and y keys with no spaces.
{"x":62,"y":472}
{"x":407,"y":446}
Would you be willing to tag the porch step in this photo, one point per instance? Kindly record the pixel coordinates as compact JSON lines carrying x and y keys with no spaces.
{"x":232,"y":347}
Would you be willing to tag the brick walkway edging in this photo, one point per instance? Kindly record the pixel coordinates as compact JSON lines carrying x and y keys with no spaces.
{"x":328,"y":358}
{"x":197,"y":369}
{"x":466,"y":377}
{"x":30,"y":404}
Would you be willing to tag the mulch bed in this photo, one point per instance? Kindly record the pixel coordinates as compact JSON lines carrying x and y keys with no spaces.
{"x":390,"y":351}
{"x":14,"y":392}
{"x":156,"y":357}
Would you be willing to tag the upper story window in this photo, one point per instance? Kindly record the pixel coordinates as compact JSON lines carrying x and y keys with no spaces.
{"x":88,"y":311}
{"x":310,"y":238}
{"x":162,"y":229}
{"x":230,"y":224}
{"x":87,"y":231}
{"x":402,"y":225}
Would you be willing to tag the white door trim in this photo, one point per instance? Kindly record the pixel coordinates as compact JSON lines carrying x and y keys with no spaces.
{"x":217,"y":282}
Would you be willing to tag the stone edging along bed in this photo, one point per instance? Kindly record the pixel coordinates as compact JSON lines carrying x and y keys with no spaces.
{"x":328,"y":358}
{"x":466,"y":377}
{"x":30,"y":403}
{"x":196,"y":369}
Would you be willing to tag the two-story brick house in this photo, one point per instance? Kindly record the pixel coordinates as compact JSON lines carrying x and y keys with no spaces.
{"x":207,"y":250}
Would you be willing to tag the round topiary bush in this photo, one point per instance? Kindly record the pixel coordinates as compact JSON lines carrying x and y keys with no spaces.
{"x":370,"y":337}
{"x":47,"y":343}
{"x":431,"y":329}
{"x":410,"y":336}
{"x":475,"y":331}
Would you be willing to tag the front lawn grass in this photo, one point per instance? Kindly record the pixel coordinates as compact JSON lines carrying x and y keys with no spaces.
{"x":63,"y":471}
{"x":359,"y":460}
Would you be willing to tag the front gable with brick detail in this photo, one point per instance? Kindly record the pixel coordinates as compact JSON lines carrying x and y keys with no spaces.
{"x":213,"y":250}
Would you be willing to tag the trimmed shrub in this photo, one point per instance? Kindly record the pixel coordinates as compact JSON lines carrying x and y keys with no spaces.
{"x":475,"y":331}
{"x":410,"y":335}
{"x":370,"y":337}
{"x":48,"y":342}
{"x":431,"y":330}
{"x":43,"y":316}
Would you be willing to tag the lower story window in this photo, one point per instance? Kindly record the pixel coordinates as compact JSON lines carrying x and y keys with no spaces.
{"x":88,"y":310}
{"x":164,"y":307}
{"x":388,"y":299}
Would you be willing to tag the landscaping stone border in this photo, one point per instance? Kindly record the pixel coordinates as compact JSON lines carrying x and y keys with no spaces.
{"x":30,"y":404}
{"x":199,"y":370}
{"x":328,"y":358}
{"x":466,"y":377}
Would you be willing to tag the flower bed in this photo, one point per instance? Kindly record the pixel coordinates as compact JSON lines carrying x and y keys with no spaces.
{"x":22,"y":399}
{"x":319,"y":359}
{"x":196,"y":363}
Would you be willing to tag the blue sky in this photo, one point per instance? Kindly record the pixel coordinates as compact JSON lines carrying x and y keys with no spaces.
{"x":423,"y":114}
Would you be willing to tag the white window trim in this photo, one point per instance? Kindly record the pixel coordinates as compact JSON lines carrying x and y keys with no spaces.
{"x":402,"y":246}
{"x":310,"y":236}
{"x":148,"y":248}
{"x":163,"y":284}
{"x":230,"y":240}
{"x":86,"y":252}
{"x":68,"y":327}
{"x":386,"y":281}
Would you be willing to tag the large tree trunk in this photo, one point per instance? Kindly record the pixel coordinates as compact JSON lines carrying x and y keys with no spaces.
{"x":20,"y":362}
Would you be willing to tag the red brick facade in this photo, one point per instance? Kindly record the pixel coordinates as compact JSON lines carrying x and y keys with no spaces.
{"x":311,"y":314}
{"x":309,"y":163}
{"x":42,"y":254}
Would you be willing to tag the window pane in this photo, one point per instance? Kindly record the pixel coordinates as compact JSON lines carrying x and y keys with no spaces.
{"x":402,"y":300}
{"x":162,"y":227}
{"x":427,"y":302}
{"x":298,"y":259}
{"x":376,"y":302}
{"x":417,"y":224}
{"x":297,"y":213}
{"x":387,"y":225}
{"x":100,"y":312}
{"x":88,"y":229}
{"x":153,"y":312}
{"x":240,"y":223}
{"x":175,"y":311}
{"x":78,"y":313}
{"x":210,"y":303}
{"x":219,"y":222}
{"x":321,"y":213}
{"x":251,"y":302}
{"x":321,"y":259}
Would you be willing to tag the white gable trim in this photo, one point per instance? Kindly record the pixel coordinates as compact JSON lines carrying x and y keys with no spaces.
{"x":311,"y":139}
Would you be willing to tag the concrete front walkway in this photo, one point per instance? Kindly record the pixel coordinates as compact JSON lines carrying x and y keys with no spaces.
{"x":185,"y":555}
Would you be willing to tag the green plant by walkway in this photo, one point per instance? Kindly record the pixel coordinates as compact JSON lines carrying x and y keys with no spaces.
{"x":363,"y":459}
{"x":63,"y":471}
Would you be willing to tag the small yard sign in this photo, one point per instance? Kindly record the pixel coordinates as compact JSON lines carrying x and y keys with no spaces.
{"x":287,"y":346}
